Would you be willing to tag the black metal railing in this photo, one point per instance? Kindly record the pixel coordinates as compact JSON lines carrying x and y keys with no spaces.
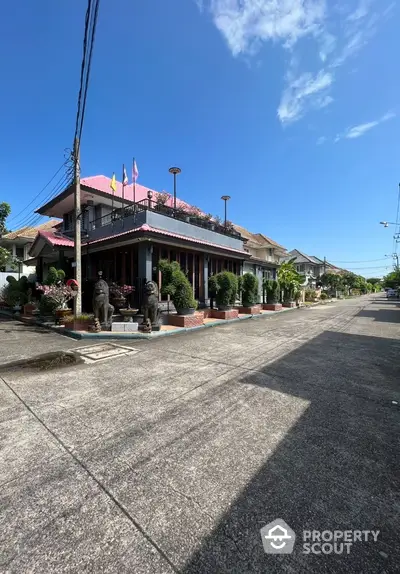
{"x":187,"y":216}
{"x":157,"y":207}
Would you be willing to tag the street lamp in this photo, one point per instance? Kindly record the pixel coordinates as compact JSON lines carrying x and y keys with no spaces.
{"x":174,"y":171}
{"x":149,"y":197}
{"x":387,"y":223}
{"x":225,"y":198}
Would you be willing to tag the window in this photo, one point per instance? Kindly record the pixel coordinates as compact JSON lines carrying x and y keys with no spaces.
{"x":19,"y":252}
{"x":300,"y":268}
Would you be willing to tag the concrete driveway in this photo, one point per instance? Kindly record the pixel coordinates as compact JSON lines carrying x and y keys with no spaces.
{"x":172,"y":457}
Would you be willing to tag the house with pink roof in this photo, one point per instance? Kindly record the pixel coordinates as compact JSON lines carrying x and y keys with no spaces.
{"x":125,"y":233}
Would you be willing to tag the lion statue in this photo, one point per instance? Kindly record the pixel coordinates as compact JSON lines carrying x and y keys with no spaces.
{"x":150,"y":306}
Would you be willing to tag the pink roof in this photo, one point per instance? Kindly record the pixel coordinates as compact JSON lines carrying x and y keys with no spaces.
{"x":56,"y":239}
{"x":59,"y":240}
{"x":102,"y":183}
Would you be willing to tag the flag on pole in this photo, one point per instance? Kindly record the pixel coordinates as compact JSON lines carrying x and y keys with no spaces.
{"x":113,"y":183}
{"x":124,"y":176}
{"x":135,"y":171}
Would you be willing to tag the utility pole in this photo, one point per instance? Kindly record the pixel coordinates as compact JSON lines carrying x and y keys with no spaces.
{"x":324,"y":265}
{"x":78,"y":215}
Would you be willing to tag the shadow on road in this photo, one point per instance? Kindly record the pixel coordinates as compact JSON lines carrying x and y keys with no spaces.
{"x":337,"y":468}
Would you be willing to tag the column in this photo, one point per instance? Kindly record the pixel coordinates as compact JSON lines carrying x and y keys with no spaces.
{"x":205,"y":280}
{"x":145,"y":253}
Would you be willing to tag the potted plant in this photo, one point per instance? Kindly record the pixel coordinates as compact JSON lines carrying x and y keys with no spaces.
{"x":249,"y":290}
{"x":227,"y":286}
{"x":117,"y":297}
{"x":57,"y":297}
{"x":273,"y":291}
{"x":178,"y":287}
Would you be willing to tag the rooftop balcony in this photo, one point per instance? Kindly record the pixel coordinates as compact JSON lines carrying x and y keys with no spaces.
{"x":165,"y":218}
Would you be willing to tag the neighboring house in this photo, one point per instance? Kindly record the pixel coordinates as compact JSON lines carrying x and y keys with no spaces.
{"x":126,"y":239}
{"x":19,"y":242}
{"x":309,"y":266}
{"x":265,"y":256}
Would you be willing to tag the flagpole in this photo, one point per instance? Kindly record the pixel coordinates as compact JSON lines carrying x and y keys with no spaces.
{"x":123,"y":193}
{"x":134,"y":181}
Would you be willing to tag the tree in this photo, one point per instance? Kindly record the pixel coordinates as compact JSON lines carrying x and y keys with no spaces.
{"x":5,"y":257}
{"x":289,"y":279}
{"x":392,"y":280}
{"x":332,"y":281}
{"x":374,"y":280}
{"x":5,"y":211}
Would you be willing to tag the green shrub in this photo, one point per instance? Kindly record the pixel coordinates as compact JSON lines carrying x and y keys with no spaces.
{"x":47,"y":306}
{"x":250,"y":290}
{"x":272,"y":288}
{"x":310,"y":295}
{"x":227,"y":288}
{"x":16,"y":291}
{"x":212,"y":286}
{"x":176,"y":285}
{"x":54,"y":275}
{"x":324,"y":296}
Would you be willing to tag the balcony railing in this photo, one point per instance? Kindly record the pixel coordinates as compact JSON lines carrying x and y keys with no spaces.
{"x":178,"y":213}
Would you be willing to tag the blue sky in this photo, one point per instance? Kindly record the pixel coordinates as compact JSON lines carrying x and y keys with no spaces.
{"x":293,"y":112}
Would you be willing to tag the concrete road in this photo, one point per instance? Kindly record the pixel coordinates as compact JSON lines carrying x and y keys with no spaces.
{"x":171,"y":458}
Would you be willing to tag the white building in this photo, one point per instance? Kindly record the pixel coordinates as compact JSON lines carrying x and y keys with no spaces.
{"x":18,"y":243}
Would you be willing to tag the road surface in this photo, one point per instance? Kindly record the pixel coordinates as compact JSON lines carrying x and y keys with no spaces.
{"x":173,"y":455}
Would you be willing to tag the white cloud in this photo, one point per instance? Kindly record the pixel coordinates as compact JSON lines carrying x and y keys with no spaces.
{"x":246,"y":22}
{"x":300,"y":94}
{"x":330,"y":31}
{"x":321,"y":140}
{"x":361,"y":129}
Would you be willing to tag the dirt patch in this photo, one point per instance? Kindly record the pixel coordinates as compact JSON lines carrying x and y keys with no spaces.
{"x":45,"y":362}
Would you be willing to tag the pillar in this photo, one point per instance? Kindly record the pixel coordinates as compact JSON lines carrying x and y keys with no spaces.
{"x":205,"y":280}
{"x":145,"y":256}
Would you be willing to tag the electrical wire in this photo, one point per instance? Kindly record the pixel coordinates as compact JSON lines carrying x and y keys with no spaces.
{"x":63,"y":183}
{"x":38,"y":195}
{"x":88,"y":44}
{"x":362,"y":261}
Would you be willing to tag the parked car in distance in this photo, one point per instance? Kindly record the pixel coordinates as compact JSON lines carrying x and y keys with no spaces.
{"x":392,"y":293}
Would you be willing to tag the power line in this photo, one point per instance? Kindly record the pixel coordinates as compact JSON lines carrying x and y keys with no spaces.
{"x":363,"y":261}
{"x":62,"y":183}
{"x":380,"y":267}
{"x":37,"y":195}
{"x":88,"y":43}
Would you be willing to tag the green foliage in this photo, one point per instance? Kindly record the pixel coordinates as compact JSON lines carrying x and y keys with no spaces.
{"x":212,"y":285}
{"x":310,"y":295}
{"x":392,"y":280}
{"x":227,"y":288}
{"x":83,"y":317}
{"x":297,"y":295}
{"x":5,"y":211}
{"x":47,"y":306}
{"x":54,"y":276}
{"x":332,"y":281}
{"x":374,"y":280}
{"x":16,"y":292}
{"x":250,"y":290}
{"x":176,"y":285}
{"x":272,"y":288}
{"x":5,"y":256}
{"x":324,"y":296}
{"x":289,"y":279}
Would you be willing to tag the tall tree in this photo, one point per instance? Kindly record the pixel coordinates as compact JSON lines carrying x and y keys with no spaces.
{"x":5,"y":210}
